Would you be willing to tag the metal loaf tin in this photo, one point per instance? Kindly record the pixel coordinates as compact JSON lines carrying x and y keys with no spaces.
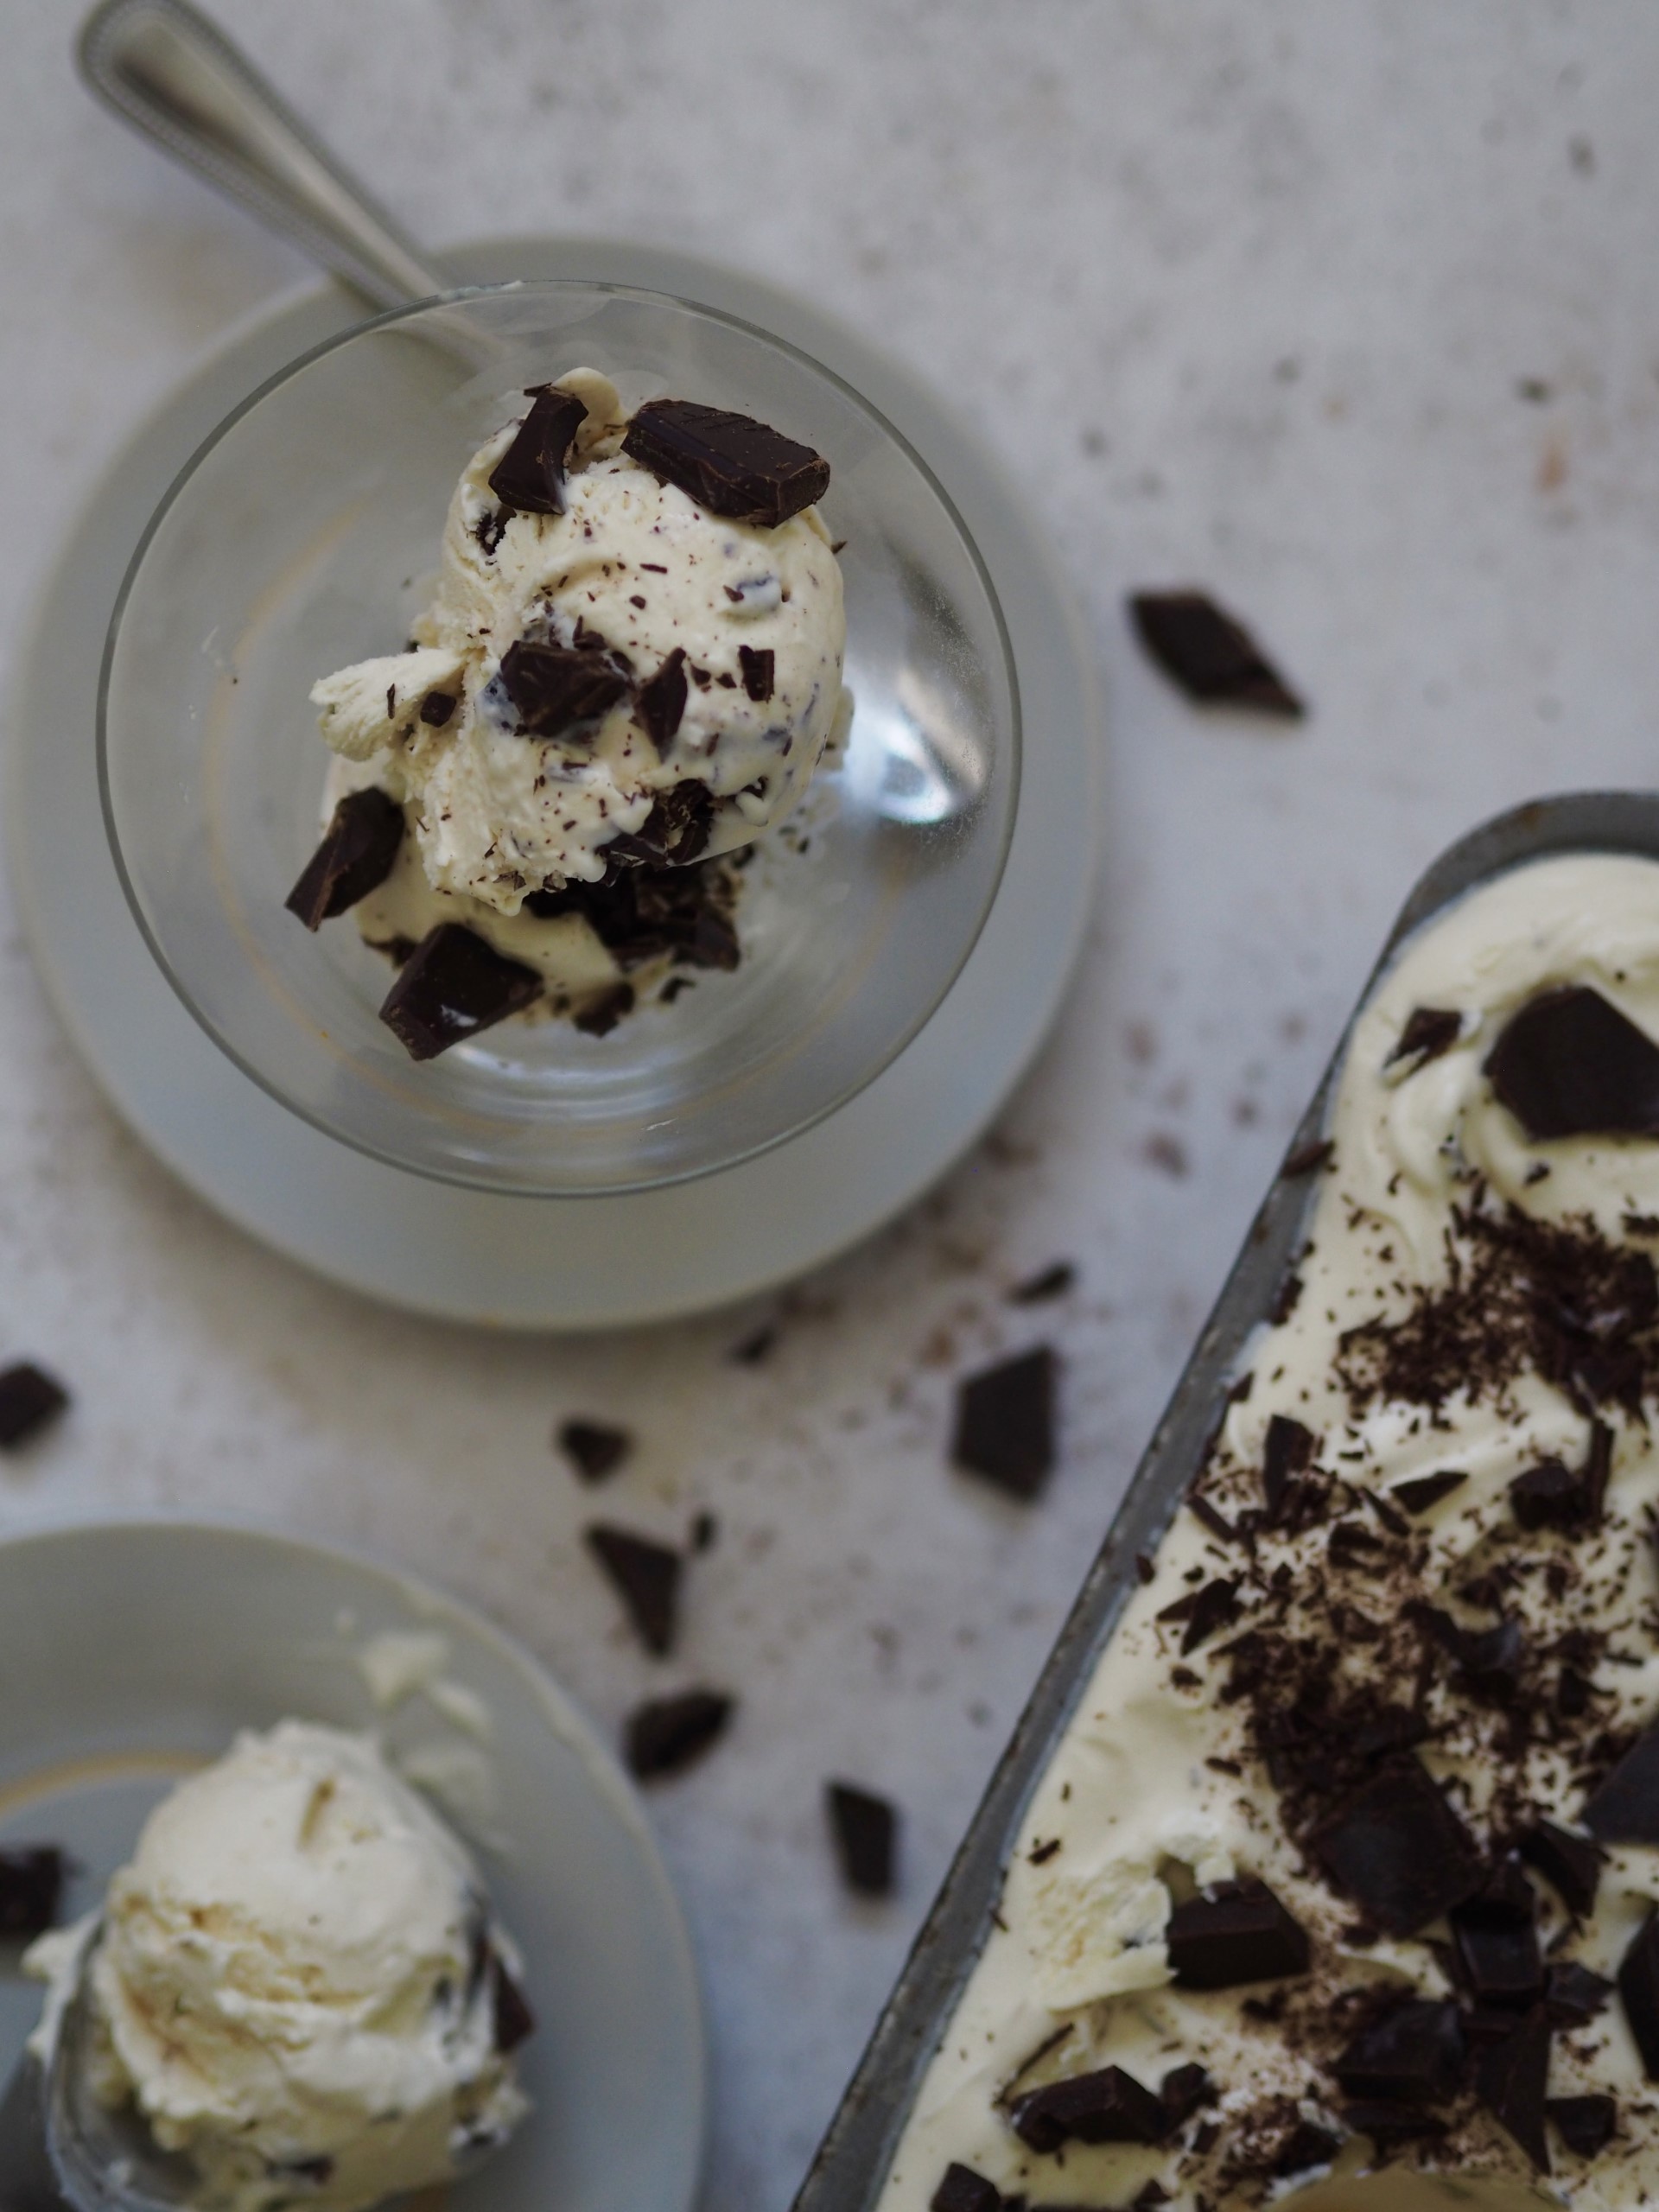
{"x":852,"y":2161}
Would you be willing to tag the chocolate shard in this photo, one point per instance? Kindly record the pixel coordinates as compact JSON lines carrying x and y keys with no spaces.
{"x":354,"y":858}
{"x":1552,"y":1496}
{"x":513,"y":2019}
{"x":756,"y":665}
{"x":1573,"y":1993}
{"x":1387,"y":2124}
{"x":674,"y":833}
{"x":1490,"y":1661}
{"x":1053,"y":1282}
{"x":865,"y":1828}
{"x":437,"y":709}
{"x":1570,"y":1864}
{"x":558,"y":690}
{"x":1495,"y":1940}
{"x":31,"y":1889}
{"x":1004,"y":1427}
{"x":729,"y":463}
{"x":1232,"y":1933}
{"x":1585,"y":2125}
{"x":1108,"y":2107}
{"x":1288,"y":1452}
{"x":661,"y":703}
{"x":1509,"y":2081}
{"x":1204,"y":1612}
{"x":646,"y":1577}
{"x":594,"y":1448}
{"x":1213,"y":659}
{"x":601,"y":1015}
{"x":647,"y":913}
{"x":1423,"y":1491}
{"x":1624,"y":1809}
{"x":666,"y":1735}
{"x":1183,"y":2091}
{"x":30,"y":1401}
{"x":529,"y":475}
{"x":1412,"y":2056}
{"x":1638,"y":1993}
{"x":451,"y":987}
{"x":963,"y":2191}
{"x":1307,"y":2145}
{"x":1399,"y":1850}
{"x":1570,"y":1065}
{"x":1429,"y":1031}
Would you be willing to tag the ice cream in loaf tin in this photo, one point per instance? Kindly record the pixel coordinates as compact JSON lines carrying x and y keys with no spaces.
{"x":1343,"y":1875}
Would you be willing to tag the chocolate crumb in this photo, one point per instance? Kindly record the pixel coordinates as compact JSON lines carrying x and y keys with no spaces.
{"x":865,"y":1828}
{"x":1209,"y":656}
{"x":1052,"y":1282}
{"x":646,"y":1577}
{"x":594,"y":1448}
{"x":1041,"y":1854}
{"x":437,"y":709}
{"x":705,"y":1532}
{"x":30,"y":1401}
{"x":757,"y":1345}
{"x":665,"y":1736}
{"x":1005,"y":1423}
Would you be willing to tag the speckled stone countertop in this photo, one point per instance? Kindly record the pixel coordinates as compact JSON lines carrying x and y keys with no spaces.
{"x":1349,"y":313}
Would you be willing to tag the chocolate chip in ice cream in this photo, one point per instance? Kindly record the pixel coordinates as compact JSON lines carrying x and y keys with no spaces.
{"x":30,"y":1401}
{"x":1106,"y":2107}
{"x":865,"y":1828}
{"x":1203,"y":1613}
{"x":756,"y":664}
{"x":1234,"y":1932}
{"x":437,"y":709}
{"x":594,"y":1448}
{"x":729,"y":464}
{"x":664,"y":1736}
{"x":529,"y":475}
{"x":1570,"y":1864}
{"x":1586,"y":2125}
{"x":1574,"y":1992}
{"x":1411,"y":2054}
{"x":1624,"y":1808}
{"x":31,"y":1889}
{"x":1638,"y":1992}
{"x":1422,"y":1492}
{"x":661,"y":703}
{"x":1399,"y":1850}
{"x":1509,"y":2081}
{"x":1053,"y":1282}
{"x":1005,"y":1423}
{"x":1494,"y":1941}
{"x":452,"y":986}
{"x":558,"y":690}
{"x":601,"y":1015}
{"x":963,"y":2191}
{"x":513,"y":2020}
{"x":1570,"y":1065}
{"x":646,"y":1577}
{"x":1552,"y":1496}
{"x":1213,"y":659}
{"x":1183,"y":2091}
{"x":354,"y":858}
{"x":1429,"y":1031}
{"x":1288,"y":1452}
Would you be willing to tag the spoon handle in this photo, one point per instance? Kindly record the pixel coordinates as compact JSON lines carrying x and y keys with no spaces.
{"x":165,"y":68}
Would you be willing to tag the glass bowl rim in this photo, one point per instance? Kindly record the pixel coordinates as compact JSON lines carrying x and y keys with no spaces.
{"x":457,"y":1178}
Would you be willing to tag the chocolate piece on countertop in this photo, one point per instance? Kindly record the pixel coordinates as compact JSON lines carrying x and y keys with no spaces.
{"x":1005,"y":1423}
{"x":963,"y":2191}
{"x":1429,"y":1031}
{"x":729,"y":464}
{"x":437,"y":709}
{"x":514,"y":2021}
{"x":30,"y":1401}
{"x":1570,"y":1065}
{"x":451,"y":987}
{"x":1422,"y":1491}
{"x":1399,"y":1850}
{"x":529,"y":475}
{"x":1573,"y":1993}
{"x":1570,"y":1864}
{"x":1107,"y":2107}
{"x":354,"y":858}
{"x":1413,"y":2054}
{"x":756,"y":664}
{"x":865,"y":1828}
{"x":594,"y":1448}
{"x":1288,"y":1452}
{"x":1585,"y":2125}
{"x":558,"y":690}
{"x":1050,"y":1282}
{"x":1509,"y":2081}
{"x":1638,"y":1992}
{"x":1204,"y":1612}
{"x":31,"y":1889}
{"x":666,"y":1735}
{"x":1624,"y":1807}
{"x":661,"y":703}
{"x":646,"y":1576}
{"x":1213,"y":659}
{"x":1183,"y":2091}
{"x":1232,"y":1933}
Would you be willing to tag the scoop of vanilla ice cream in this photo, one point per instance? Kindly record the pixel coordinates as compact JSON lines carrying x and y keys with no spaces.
{"x":635,"y":566}
{"x":298,"y":1981}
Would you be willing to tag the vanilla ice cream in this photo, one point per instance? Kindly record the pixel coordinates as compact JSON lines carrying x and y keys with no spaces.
{"x":298,"y":1982}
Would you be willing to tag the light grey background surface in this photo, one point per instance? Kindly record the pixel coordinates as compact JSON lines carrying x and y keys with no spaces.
{"x":1348,"y":313}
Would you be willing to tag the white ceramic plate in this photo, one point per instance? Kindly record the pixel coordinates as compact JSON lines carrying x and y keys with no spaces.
{"x":130,"y":1652}
{"x":563,"y":1262}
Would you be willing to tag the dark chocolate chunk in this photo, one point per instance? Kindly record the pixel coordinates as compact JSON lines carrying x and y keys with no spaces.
{"x":1638,"y":1990}
{"x":1585,"y":2125}
{"x":31,"y":1889}
{"x":1205,"y":1611}
{"x":1495,"y":1940}
{"x":556,"y":690}
{"x":594,"y":1448}
{"x":1489,"y":1661}
{"x":529,"y":475}
{"x":452,"y":986}
{"x":1570,"y":1864}
{"x":963,"y":2191}
{"x":1213,"y":659}
{"x":30,"y":1401}
{"x":1308,"y":1157}
{"x":756,"y":664}
{"x":729,"y":464}
{"x":649,"y":913}
{"x":1308,"y":2145}
{"x":437,"y":709}
{"x":514,"y":2021}
{"x":674,"y":832}
{"x":1387,"y":2124}
{"x":1235,"y":1932}
{"x":1573,"y":1994}
{"x":1108,"y":2107}
{"x":601,"y":1015}
{"x":1050,"y":1282}
{"x":1422,"y":1491}
{"x":865,"y":1828}
{"x":666,"y":1735}
{"x":1398,"y":1849}
{"x":1624,"y":1809}
{"x":354,"y":858}
{"x":646,"y":1577}
{"x":1552,"y":1496}
{"x":1288,"y":1452}
{"x":1570,"y":1065}
{"x":1413,"y":2054}
{"x":661,"y":703}
{"x":315,"y":2171}
{"x":1509,"y":2081}
{"x":1005,"y":1423}
{"x":1429,"y":1031}
{"x":1183,"y":2090}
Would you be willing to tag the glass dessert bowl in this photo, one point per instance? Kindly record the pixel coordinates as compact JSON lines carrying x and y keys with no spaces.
{"x":305,"y":537}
